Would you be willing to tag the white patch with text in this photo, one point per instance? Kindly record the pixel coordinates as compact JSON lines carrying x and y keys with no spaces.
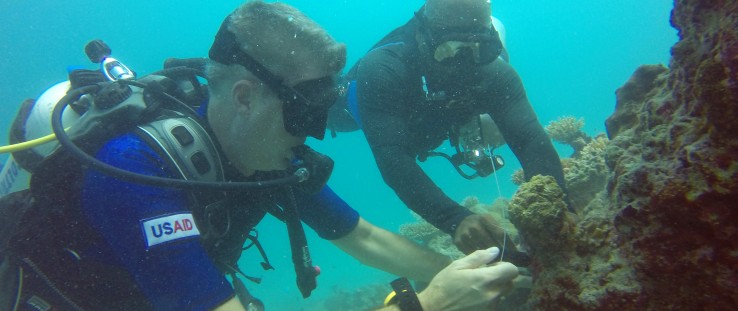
{"x":169,"y":228}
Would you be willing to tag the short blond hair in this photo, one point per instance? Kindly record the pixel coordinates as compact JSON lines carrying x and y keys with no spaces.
{"x":277,"y":35}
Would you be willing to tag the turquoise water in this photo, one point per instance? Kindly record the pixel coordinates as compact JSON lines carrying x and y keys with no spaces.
{"x":572,"y":55}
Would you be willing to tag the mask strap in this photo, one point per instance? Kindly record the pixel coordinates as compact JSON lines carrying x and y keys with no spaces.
{"x":226,"y":50}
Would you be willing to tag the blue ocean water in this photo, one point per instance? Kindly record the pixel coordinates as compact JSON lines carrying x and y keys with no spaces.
{"x":572,"y":56}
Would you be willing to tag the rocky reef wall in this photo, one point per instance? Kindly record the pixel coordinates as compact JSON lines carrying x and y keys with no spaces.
{"x":663,"y":233}
{"x":674,"y":165}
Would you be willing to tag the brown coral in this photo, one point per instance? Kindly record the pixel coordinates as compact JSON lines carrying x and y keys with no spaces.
{"x":538,"y":210}
{"x":586,"y":175}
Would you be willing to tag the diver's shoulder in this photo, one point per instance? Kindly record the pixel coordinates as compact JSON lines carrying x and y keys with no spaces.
{"x":394,"y":51}
{"x":129,"y":148}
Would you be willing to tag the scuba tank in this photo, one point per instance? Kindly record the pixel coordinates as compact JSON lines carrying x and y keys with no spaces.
{"x":32,"y":125}
{"x":33,"y":121}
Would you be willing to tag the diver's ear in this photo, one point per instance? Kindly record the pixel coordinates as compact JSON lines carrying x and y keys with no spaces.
{"x":243,"y":94}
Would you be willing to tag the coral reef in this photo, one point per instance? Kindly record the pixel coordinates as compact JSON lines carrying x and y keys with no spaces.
{"x":586,"y":174}
{"x":574,"y":266}
{"x":426,"y":234}
{"x":518,"y":177}
{"x":662,"y":233}
{"x":568,"y":130}
{"x":674,"y":162}
{"x":538,"y":210}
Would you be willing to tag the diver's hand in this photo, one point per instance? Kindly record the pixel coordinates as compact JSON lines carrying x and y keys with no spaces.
{"x":469,"y":283}
{"x":478,"y":231}
{"x":482,"y":231}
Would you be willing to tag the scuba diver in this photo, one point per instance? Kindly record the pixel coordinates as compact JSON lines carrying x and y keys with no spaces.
{"x":158,"y":182}
{"x":442,"y":76}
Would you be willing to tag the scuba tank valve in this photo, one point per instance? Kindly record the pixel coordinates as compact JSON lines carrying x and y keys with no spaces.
{"x":99,"y":52}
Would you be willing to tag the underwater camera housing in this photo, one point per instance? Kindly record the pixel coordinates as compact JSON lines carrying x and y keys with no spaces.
{"x":474,"y":142}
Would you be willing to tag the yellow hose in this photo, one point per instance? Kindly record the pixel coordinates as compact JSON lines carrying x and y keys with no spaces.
{"x":28,"y":144}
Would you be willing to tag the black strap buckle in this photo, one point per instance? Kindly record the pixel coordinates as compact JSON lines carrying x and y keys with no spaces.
{"x":405,"y":295}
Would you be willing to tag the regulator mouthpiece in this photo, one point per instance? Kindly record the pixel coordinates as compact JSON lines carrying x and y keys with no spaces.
{"x":302,"y":174}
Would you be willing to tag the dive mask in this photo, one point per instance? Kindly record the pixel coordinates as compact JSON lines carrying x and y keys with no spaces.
{"x":463,"y":45}
{"x":305,"y":105}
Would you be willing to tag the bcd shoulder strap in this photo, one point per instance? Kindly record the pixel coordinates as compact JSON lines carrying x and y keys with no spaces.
{"x":223,"y":223}
{"x":186,"y":145}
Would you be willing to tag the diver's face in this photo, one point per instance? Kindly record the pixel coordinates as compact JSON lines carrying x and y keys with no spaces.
{"x":456,"y":37}
{"x":263,"y":139}
{"x":456,"y":57}
{"x":264,"y":142}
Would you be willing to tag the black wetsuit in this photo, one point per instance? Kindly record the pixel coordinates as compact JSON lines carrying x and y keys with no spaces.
{"x":400,"y":123}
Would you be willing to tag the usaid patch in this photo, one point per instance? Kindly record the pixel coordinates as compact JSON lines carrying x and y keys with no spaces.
{"x":168,"y":228}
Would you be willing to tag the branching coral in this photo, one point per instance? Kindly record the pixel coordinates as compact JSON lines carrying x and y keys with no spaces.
{"x":568,"y":130}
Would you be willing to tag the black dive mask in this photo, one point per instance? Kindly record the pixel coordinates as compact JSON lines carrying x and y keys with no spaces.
{"x":305,"y":104}
{"x":462,"y":47}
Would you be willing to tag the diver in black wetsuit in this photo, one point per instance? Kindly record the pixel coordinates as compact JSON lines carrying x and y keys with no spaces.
{"x":423,"y":81}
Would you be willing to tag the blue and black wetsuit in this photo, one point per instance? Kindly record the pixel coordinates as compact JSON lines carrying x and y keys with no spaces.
{"x":400,"y":123}
{"x":131,"y":246}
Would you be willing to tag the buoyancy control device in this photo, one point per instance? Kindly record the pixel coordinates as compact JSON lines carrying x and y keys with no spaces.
{"x":97,"y":105}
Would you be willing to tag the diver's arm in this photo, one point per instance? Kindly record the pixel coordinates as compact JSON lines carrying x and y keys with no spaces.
{"x":381,"y":91}
{"x":518,"y":123}
{"x":381,"y":249}
{"x":413,"y":186}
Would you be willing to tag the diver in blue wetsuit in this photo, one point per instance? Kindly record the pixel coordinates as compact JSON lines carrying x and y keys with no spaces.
{"x":428,"y":81}
{"x":94,"y":239}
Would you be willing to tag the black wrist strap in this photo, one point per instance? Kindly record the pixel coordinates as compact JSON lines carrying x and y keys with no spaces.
{"x":405,"y":295}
